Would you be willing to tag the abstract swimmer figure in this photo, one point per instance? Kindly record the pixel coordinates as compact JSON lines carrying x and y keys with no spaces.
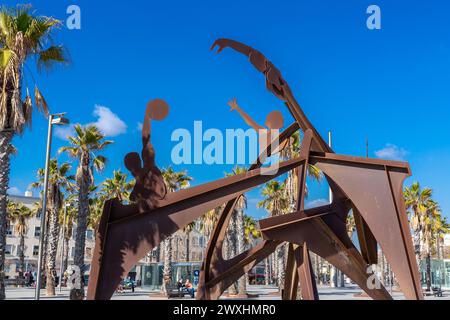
{"x":274,"y":122}
{"x":150,"y":187}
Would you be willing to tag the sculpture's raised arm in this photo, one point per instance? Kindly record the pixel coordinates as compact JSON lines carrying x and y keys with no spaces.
{"x":277,"y":85}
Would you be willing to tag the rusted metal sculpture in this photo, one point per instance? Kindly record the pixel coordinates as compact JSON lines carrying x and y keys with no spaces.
{"x":371,"y":188}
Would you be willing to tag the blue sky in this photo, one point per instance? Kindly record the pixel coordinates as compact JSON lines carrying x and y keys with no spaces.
{"x":388,"y":85}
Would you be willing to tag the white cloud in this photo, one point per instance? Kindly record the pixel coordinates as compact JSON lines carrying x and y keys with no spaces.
{"x":108,"y":122}
{"x":63,"y":132}
{"x":14,"y":191}
{"x":316,"y":203}
{"x":139,"y":126}
{"x":392,"y":152}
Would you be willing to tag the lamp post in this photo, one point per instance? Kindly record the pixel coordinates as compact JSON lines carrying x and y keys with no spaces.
{"x":53,"y":119}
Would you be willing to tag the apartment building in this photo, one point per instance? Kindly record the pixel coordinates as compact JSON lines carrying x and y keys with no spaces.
{"x":182,"y":266}
{"x":32,"y":242}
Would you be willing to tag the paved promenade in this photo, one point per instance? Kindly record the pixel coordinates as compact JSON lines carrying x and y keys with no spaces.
{"x":255,"y":293}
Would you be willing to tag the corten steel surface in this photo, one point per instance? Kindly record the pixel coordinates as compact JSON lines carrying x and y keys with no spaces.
{"x":126,"y":235}
{"x":371,"y":188}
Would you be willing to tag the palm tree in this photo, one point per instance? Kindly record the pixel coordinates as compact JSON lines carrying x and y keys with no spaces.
{"x":117,"y":186}
{"x":237,"y":234}
{"x":351,"y":225}
{"x":95,"y":211}
{"x":23,"y":37}
{"x":19,"y":214}
{"x":251,"y":233}
{"x":276,"y":202}
{"x":432,"y":214}
{"x":440,"y":228}
{"x":209,"y":221}
{"x":71,"y":213}
{"x":187,"y":231}
{"x":83,"y":145}
{"x":416,"y":202}
{"x":58,"y":181}
{"x":291,"y":152}
{"x":174,"y":181}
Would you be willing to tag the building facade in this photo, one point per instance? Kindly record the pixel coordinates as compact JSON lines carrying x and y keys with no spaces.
{"x":31,"y":249}
{"x":148,"y":272}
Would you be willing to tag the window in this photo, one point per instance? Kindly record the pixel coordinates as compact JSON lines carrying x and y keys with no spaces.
{"x":90,"y":234}
{"x":35,"y":250}
{"x":72,"y":252}
{"x":8,"y":249}
{"x":88,"y":253}
{"x":9,"y":230}
{"x":37,"y":232}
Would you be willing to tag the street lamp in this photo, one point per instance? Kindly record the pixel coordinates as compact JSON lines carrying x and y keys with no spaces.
{"x":53,"y":119}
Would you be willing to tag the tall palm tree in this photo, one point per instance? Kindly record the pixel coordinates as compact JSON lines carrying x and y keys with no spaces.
{"x":18,"y":214}
{"x":187,"y":231}
{"x":251,"y":233}
{"x":209,"y":221}
{"x":290,"y":152}
{"x":276,"y":202}
{"x":440,"y":228}
{"x":23,"y":37}
{"x":70,"y":213}
{"x":174,"y":181}
{"x":59,"y":181}
{"x":416,"y":201}
{"x":83,"y":145}
{"x":429,"y":220}
{"x":238,"y":242}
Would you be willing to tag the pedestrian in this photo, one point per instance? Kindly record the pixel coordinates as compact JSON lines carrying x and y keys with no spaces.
{"x":190,"y":288}
{"x":120,"y":287}
{"x":131,"y":281}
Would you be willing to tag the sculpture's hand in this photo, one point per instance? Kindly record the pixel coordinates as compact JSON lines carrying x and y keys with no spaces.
{"x":221,"y":43}
{"x":233,"y":104}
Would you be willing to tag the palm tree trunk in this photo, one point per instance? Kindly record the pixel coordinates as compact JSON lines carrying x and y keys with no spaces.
{"x":187,"y":247}
{"x":242,"y":285}
{"x":231,"y":248}
{"x":266,"y":271}
{"x":274,"y":268}
{"x":22,"y":255}
{"x":428,"y":264}
{"x":66,"y":253}
{"x":281,"y":254}
{"x":417,"y":240}
{"x":44,"y":250}
{"x":167,"y":269}
{"x":52,"y":247}
{"x":80,"y":237}
{"x":5,"y":151}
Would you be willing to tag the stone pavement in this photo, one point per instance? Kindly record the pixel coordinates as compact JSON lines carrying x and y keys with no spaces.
{"x":255,"y":293}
